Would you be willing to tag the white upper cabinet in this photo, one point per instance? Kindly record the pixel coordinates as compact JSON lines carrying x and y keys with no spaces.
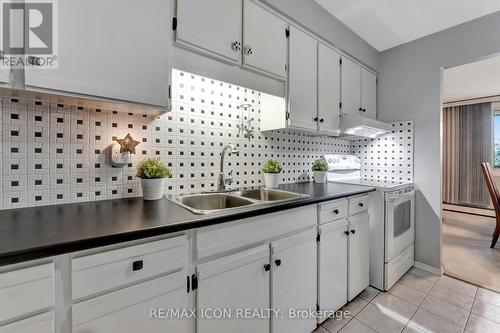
{"x":369,"y":93}
{"x":213,"y":26}
{"x":264,"y":40}
{"x":302,"y":83}
{"x":358,"y":89}
{"x":4,"y":75}
{"x":328,"y":90}
{"x":123,"y":55}
{"x":351,"y":86}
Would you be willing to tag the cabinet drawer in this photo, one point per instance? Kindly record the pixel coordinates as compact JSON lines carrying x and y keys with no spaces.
{"x":332,"y":210}
{"x":111,"y":269}
{"x":43,"y":323}
{"x":358,"y":204}
{"x":26,"y":290}
{"x":135,"y":309}
{"x":234,"y":235}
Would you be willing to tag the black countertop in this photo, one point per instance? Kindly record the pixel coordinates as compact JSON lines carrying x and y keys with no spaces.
{"x":34,"y":233}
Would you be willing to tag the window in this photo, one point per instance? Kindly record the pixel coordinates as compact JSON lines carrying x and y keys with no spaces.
{"x":496,"y":134}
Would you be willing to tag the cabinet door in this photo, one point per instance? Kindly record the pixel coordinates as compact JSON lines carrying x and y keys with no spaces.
{"x":359,"y":254}
{"x":4,"y":75}
{"x":369,"y":93}
{"x":350,"y":86}
{"x":135,"y":309}
{"x":239,"y":281}
{"x":332,"y":289}
{"x":105,"y":52}
{"x":328,"y":90}
{"x":264,"y":40}
{"x":211,"y":26}
{"x":302,"y":80}
{"x":294,"y":282}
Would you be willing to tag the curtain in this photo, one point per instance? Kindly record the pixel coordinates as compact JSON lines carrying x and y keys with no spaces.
{"x":467,"y":141}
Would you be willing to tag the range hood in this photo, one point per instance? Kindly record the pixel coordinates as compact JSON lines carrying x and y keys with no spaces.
{"x":362,"y":126}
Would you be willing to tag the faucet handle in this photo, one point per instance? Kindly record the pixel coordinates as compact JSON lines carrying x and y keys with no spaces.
{"x":229,"y":179}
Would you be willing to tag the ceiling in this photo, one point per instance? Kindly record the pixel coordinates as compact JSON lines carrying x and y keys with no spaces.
{"x":473,"y":80}
{"x":387,"y":23}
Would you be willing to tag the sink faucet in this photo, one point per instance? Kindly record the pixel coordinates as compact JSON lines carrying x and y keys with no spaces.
{"x":223,"y":180}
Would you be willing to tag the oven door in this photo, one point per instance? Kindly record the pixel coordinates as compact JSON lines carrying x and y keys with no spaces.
{"x":399,"y":222}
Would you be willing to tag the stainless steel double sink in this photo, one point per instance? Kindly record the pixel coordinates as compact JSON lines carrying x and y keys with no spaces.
{"x":207,"y":203}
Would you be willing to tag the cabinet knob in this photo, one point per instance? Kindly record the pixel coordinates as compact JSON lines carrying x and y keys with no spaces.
{"x":361,"y":204}
{"x":335,"y":211}
{"x":322,"y":120}
{"x":363,"y":110}
{"x":316,"y":119}
{"x":346,"y":232}
{"x":267,"y":267}
{"x":248,"y":50}
{"x":353,"y":231}
{"x":137,"y":265}
{"x":278,"y":262}
{"x":236,"y":45}
{"x":360,"y":109}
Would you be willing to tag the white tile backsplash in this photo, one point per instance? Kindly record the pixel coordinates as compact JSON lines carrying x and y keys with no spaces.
{"x":58,"y":153}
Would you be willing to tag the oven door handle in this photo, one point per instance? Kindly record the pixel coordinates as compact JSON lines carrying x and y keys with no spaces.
{"x":393,"y":197}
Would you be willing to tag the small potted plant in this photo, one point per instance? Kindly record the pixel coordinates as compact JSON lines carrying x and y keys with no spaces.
{"x":152,"y":173}
{"x":319,"y":168}
{"x":271,"y":169}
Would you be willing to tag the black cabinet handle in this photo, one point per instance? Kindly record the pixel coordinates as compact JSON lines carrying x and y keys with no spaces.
{"x":335,"y":211}
{"x":360,"y":109}
{"x":353,"y":231}
{"x":346,"y":232}
{"x":278,"y":262}
{"x":267,"y":267}
{"x":322,"y":120}
{"x":361,"y":204}
{"x":137,"y":265}
{"x":316,"y":119}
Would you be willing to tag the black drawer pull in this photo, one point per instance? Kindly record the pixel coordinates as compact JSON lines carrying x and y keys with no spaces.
{"x":137,"y":265}
{"x":278,"y":262}
{"x":335,"y":211}
{"x":267,"y":267}
{"x":361,"y":204}
{"x":346,"y":232}
{"x":353,"y":231}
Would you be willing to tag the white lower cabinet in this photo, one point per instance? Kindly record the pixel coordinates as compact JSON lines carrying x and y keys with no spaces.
{"x":234,"y":283}
{"x":142,"y":308}
{"x":332,"y":267}
{"x":294,"y":283}
{"x":359,"y":254}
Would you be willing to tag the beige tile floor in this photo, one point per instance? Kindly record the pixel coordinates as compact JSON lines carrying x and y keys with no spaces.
{"x":466,"y":249}
{"x":421,"y":302}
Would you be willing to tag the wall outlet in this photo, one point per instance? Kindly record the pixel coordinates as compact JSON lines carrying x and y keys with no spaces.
{"x":119,"y":159}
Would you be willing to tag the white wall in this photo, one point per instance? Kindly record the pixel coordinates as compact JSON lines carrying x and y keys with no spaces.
{"x":321,"y":22}
{"x":409,"y":87}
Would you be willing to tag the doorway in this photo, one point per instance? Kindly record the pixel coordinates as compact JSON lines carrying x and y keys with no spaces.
{"x":471,"y":135}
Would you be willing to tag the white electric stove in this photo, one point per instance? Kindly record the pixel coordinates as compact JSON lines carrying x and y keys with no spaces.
{"x":392,"y":220}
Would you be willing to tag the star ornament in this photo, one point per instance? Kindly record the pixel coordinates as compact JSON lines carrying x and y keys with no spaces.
{"x":127,"y":144}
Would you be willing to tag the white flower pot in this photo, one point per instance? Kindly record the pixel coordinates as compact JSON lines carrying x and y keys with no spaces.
{"x":152,"y":189}
{"x":319,"y":177}
{"x":271,"y":180}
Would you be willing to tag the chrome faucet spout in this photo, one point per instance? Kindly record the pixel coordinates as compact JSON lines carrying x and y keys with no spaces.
{"x":223,"y":180}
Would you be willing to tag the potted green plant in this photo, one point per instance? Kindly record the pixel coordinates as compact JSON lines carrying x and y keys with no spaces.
{"x":152,"y":173}
{"x":319,"y":168}
{"x":271,"y":169}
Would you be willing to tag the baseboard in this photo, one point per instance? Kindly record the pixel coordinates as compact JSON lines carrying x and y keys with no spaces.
{"x":427,"y":268}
